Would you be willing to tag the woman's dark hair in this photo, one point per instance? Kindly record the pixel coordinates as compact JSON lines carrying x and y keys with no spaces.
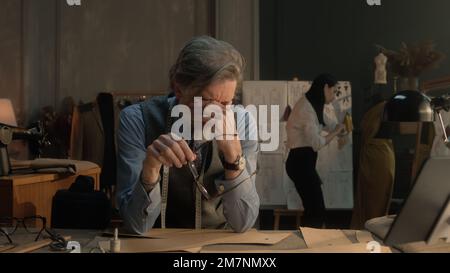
{"x":316,"y":94}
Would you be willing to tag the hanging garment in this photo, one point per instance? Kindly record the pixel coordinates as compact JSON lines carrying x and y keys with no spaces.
{"x":93,"y":136}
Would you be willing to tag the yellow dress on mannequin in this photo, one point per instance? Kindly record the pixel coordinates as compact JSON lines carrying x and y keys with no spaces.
{"x":376,"y":171}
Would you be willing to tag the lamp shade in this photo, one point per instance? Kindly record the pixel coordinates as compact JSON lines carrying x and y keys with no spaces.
{"x":7,"y":115}
{"x":408,"y":106}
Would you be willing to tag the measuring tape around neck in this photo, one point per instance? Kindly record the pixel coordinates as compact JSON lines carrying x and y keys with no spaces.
{"x":165,"y":188}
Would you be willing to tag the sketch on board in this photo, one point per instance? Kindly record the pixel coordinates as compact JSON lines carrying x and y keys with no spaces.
{"x":343,"y":102}
{"x":269,"y":179}
{"x":265,"y":93}
{"x":296,"y":90}
{"x":270,"y":176}
{"x":335,"y":183}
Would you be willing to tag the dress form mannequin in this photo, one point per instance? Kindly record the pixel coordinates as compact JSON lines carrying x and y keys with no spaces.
{"x":380,"y":70}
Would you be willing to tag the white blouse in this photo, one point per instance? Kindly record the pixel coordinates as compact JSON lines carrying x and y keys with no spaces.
{"x":303,"y":127}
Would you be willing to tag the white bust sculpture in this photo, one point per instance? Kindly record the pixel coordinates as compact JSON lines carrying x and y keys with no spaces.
{"x":380,"y":70}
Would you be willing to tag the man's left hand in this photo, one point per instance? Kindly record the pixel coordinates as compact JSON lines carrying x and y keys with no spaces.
{"x":231,"y":150}
{"x":228,"y":140}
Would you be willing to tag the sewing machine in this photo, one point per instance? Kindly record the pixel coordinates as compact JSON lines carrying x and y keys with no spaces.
{"x":8,"y":134}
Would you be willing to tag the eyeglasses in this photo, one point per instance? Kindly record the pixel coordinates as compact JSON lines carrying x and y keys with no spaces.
{"x":196,"y":176}
{"x":9,"y":225}
{"x":193,"y":168}
{"x":33,"y":225}
{"x":2,"y":232}
{"x":201,"y":188}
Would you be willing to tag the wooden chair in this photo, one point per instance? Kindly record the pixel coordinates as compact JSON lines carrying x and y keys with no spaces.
{"x":277,"y":213}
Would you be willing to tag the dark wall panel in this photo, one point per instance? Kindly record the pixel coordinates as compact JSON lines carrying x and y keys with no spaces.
{"x":303,"y":38}
{"x":10,"y":54}
{"x":123,"y":45}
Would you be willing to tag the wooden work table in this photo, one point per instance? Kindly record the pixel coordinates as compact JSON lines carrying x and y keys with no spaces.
{"x":32,"y":194}
{"x":89,"y":240}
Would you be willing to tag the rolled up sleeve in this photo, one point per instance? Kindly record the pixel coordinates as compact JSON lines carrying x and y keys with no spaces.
{"x":138,"y":208}
{"x":241,"y":201}
{"x":312,"y":133}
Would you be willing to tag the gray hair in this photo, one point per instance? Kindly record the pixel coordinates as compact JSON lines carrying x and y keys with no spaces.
{"x":204,"y":60}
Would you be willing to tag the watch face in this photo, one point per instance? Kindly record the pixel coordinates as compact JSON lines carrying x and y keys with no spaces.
{"x":241,"y":163}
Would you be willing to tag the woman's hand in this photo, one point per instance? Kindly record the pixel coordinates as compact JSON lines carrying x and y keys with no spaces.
{"x":342,"y":141}
{"x":340,"y":129}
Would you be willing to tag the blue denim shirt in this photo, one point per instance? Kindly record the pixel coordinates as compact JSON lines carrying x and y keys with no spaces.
{"x":140,"y":209}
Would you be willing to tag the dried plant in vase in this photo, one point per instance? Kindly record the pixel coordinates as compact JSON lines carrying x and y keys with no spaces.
{"x":410,"y":61}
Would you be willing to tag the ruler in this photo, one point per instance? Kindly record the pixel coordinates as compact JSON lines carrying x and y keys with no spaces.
{"x":164,"y":195}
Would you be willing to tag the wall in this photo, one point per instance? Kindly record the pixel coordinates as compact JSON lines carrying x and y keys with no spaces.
{"x":304,"y":38}
{"x":118,"y":45}
{"x":237,"y":22}
{"x":10,"y":54}
{"x":39,"y":55}
{"x":49,"y":50}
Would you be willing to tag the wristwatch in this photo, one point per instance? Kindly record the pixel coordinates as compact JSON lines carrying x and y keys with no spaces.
{"x":237,"y":165}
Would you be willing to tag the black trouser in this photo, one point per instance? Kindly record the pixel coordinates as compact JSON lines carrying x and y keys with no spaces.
{"x":301,"y":168}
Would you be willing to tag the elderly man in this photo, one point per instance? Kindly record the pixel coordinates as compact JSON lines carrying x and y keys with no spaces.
{"x":157,"y":182}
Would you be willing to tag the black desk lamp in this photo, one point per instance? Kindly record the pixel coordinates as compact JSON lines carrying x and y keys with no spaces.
{"x":408,"y":106}
{"x":414,"y":106}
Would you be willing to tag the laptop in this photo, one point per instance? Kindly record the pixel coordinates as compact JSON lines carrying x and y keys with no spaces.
{"x":424,"y":214}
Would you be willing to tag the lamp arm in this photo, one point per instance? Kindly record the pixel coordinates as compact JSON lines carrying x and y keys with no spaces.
{"x":443,"y":127}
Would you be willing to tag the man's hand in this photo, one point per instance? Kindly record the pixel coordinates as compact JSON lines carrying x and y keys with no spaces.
{"x":231,"y":150}
{"x":227,"y":138}
{"x":165,"y":151}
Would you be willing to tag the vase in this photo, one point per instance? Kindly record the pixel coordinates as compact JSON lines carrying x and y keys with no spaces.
{"x":408,"y":83}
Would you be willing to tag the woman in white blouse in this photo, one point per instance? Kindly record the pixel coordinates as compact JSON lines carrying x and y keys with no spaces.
{"x":304,"y":128}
